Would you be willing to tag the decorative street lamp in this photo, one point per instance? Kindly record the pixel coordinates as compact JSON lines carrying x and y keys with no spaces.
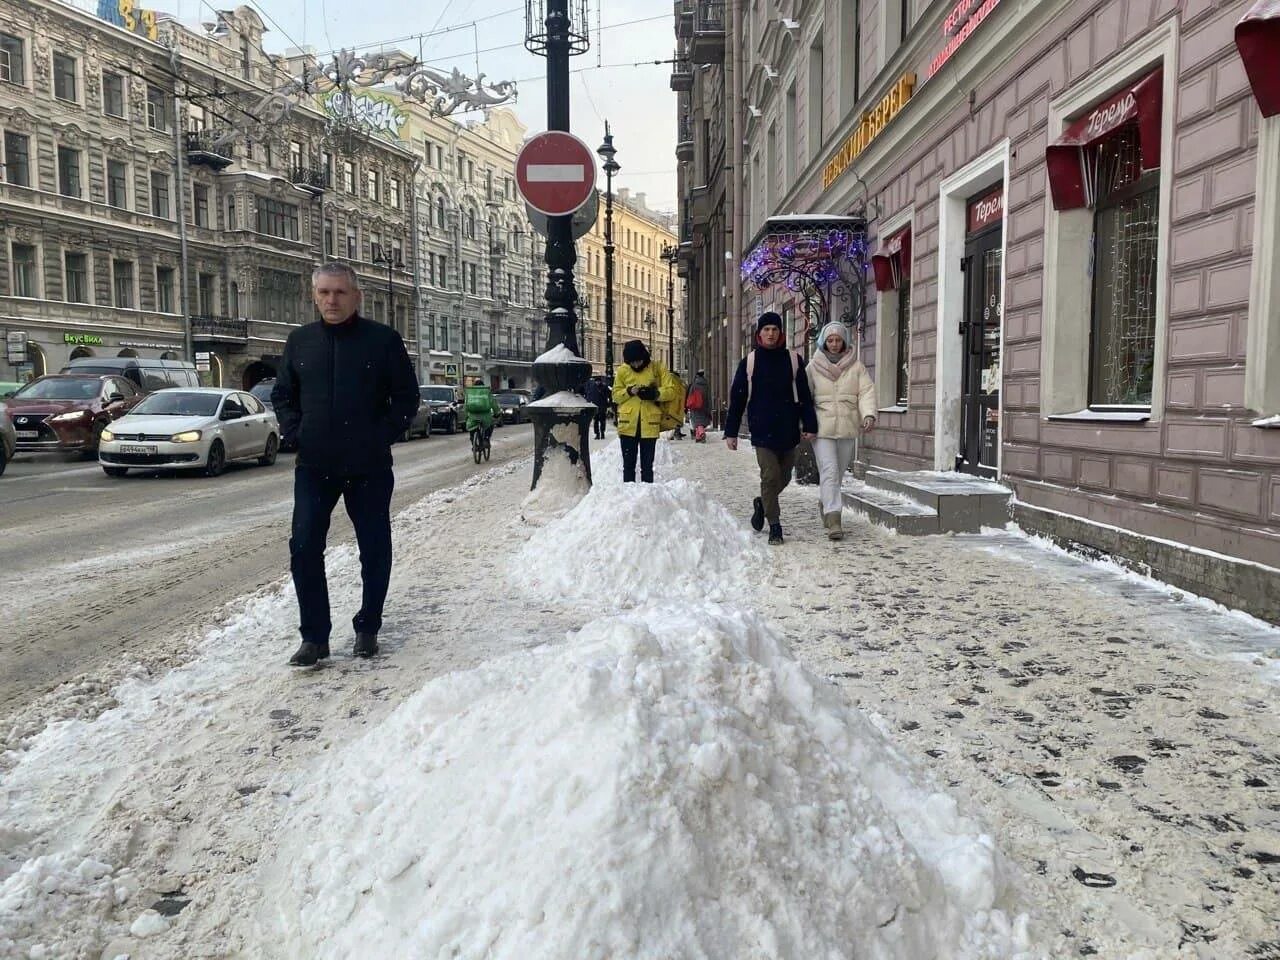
{"x":391,"y":259}
{"x":670,"y":253}
{"x":611,"y":166}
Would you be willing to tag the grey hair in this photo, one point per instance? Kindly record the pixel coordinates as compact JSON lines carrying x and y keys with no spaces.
{"x":335,"y":269}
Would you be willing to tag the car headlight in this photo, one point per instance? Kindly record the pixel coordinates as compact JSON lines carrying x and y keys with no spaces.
{"x":508,"y":410}
{"x":190,"y":436}
{"x":69,"y":417}
{"x":107,"y":435}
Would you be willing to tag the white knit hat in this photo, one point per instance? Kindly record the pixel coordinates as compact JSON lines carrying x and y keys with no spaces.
{"x":834,"y":327}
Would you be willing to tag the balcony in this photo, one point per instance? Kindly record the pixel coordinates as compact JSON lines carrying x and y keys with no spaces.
{"x":512,"y":355}
{"x":684,"y":138}
{"x":708,"y":32}
{"x":203,"y":150}
{"x":222,"y":329}
{"x":684,"y":11}
{"x":312,"y":179}
{"x":681,"y":70}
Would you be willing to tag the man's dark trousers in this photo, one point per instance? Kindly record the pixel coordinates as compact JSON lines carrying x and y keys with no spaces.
{"x":601,"y":413}
{"x":646,"y":449}
{"x":368,"y":502}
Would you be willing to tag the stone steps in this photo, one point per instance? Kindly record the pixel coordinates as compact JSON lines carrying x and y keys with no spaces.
{"x":924,"y":502}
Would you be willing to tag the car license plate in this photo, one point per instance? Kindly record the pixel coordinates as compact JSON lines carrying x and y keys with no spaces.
{"x":28,"y":434}
{"x":137,"y":448}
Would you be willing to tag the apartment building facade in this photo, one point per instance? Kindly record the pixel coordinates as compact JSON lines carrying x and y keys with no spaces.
{"x":1072,"y":220}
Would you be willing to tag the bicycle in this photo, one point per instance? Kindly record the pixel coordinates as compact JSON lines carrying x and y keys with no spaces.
{"x":481,"y":445}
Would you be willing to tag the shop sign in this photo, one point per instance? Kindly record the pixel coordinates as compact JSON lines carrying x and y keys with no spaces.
{"x":202,"y":361}
{"x":873,"y":123}
{"x":987,"y":210}
{"x":965,"y":17}
{"x":82,"y":339}
{"x":147,"y":345}
{"x":15,"y":345}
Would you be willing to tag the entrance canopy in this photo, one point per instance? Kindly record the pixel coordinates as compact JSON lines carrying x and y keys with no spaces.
{"x":1070,"y":170}
{"x":1258,"y":40}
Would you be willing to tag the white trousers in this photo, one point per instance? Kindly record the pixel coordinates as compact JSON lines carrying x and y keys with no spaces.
{"x":833,"y":458}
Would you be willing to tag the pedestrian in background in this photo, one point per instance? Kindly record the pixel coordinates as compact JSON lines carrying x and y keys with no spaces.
{"x":596,"y":392}
{"x":344,"y":391}
{"x":639,"y":386}
{"x":771,"y":389}
{"x":844,"y":396}
{"x":698,"y":403}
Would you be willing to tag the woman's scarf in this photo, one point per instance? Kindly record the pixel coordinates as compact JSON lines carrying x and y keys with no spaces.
{"x":834,"y":368}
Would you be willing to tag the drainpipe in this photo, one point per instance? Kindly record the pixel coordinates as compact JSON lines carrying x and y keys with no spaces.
{"x":417,"y":264}
{"x":738,"y":226}
{"x":180,"y":190}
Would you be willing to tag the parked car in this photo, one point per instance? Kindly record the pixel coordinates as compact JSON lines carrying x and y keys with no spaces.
{"x":262,"y":390}
{"x":146,"y":374}
{"x":8,"y":388}
{"x":514,"y":406}
{"x":8,"y":439}
{"x":447,"y":404}
{"x":420,"y":426}
{"x":68,"y":412}
{"x":203,"y":429}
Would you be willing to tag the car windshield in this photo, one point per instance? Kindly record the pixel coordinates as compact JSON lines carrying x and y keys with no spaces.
{"x":178,"y":403}
{"x":443,"y":395}
{"x":60,"y":389}
{"x":263,"y":391}
{"x":510,"y":399}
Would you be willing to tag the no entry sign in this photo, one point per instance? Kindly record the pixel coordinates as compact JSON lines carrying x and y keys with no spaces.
{"x":556,"y":173}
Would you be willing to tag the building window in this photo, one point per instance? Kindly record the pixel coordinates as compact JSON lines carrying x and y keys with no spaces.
{"x":393,"y":192}
{"x":277,"y":219}
{"x":471,"y":278}
{"x":200,"y":204}
{"x":371,"y":184}
{"x":444,"y":333}
{"x":122,"y":283}
{"x":444,"y":270}
{"x":471,"y":224}
{"x":816,"y":88}
{"x":75,"y":277}
{"x":326,"y":163}
{"x":118,"y":184}
{"x":164,"y":290}
{"x":282,"y":296}
{"x":353,"y":244}
{"x":160,"y":194}
{"x":902,"y":388}
{"x":231,"y":213}
{"x":157,"y":109}
{"x":112,"y":94}
{"x":439,"y":211}
{"x":64,"y":77}
{"x":205,"y":294}
{"x":245,"y":58}
{"x":12,"y":59}
{"x":1126,"y":231}
{"x":295,"y":156}
{"x":349,"y":176}
{"x":17,"y":159}
{"x":69,"y":172}
{"x":329,"y":239}
{"x":25,"y":275}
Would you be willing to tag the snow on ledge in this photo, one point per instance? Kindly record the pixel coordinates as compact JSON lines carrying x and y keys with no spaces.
{"x":1269,"y":423}
{"x":1104,"y":416}
{"x":564,"y":400}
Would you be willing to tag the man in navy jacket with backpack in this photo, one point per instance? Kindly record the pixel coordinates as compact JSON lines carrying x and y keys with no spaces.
{"x":771,"y":389}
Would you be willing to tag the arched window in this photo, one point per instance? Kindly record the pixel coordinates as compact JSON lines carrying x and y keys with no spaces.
{"x":127,"y":352}
{"x":79,"y":352}
{"x":440,"y":211}
{"x":35,"y":357}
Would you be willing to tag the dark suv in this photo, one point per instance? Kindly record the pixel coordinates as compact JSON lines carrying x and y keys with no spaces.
{"x":448,"y":406}
{"x":66,"y":412}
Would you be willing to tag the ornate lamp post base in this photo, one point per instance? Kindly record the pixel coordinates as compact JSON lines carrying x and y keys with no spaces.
{"x":562,"y":373}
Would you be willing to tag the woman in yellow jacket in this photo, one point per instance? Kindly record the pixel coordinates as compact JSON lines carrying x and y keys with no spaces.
{"x":639,"y":386}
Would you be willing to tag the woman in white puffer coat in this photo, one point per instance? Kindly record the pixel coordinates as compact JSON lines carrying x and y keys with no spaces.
{"x":845,"y":397}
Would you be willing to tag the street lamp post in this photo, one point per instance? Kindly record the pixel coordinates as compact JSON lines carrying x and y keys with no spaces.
{"x":669,"y":254}
{"x":611,"y":166}
{"x":391,"y":259}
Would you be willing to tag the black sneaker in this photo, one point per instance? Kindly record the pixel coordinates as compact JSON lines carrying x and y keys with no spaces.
{"x":757,"y":515}
{"x":775,"y":533}
{"x":366,"y":645}
{"x":309,"y":654}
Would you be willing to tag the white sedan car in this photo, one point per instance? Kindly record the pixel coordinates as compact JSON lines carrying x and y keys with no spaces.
{"x":181,"y":428}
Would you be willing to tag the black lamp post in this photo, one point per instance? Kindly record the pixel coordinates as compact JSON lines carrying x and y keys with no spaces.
{"x":611,"y":166}
{"x":391,"y":259}
{"x":669,"y":254}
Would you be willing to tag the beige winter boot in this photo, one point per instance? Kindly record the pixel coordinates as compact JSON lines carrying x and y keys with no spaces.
{"x":832,"y":522}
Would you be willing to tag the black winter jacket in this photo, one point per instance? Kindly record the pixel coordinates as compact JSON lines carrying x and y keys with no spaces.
{"x":773,"y":416}
{"x":345,"y":392}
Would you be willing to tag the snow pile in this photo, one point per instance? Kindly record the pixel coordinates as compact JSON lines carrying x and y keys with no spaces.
{"x":52,"y":903}
{"x":667,"y":784}
{"x":629,"y":543}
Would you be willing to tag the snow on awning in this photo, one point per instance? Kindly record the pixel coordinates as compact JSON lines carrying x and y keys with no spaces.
{"x":1070,"y":176}
{"x":1258,"y":40}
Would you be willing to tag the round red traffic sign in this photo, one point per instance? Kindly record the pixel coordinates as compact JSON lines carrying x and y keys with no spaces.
{"x":556,"y":173}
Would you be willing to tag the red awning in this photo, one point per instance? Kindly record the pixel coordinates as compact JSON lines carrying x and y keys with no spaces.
{"x":1069,"y":179}
{"x":1258,"y":40}
{"x":895,"y":263}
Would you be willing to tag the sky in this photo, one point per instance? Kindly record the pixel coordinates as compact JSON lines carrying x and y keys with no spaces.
{"x":605,"y":83}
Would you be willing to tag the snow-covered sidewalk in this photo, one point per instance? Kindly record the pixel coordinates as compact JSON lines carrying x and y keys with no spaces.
{"x":615,"y":734}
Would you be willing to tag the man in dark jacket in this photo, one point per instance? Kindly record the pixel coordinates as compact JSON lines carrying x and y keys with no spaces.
{"x":596,"y":392}
{"x":771,"y":388}
{"x":345,"y":390}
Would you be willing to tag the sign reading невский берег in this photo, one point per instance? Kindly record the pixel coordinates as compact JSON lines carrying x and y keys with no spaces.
{"x":873,"y":122}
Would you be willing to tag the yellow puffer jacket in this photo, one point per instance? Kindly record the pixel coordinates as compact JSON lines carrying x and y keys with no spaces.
{"x":632,"y":409}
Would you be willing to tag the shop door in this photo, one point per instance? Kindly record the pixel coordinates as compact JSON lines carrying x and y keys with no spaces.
{"x":980,"y":383}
